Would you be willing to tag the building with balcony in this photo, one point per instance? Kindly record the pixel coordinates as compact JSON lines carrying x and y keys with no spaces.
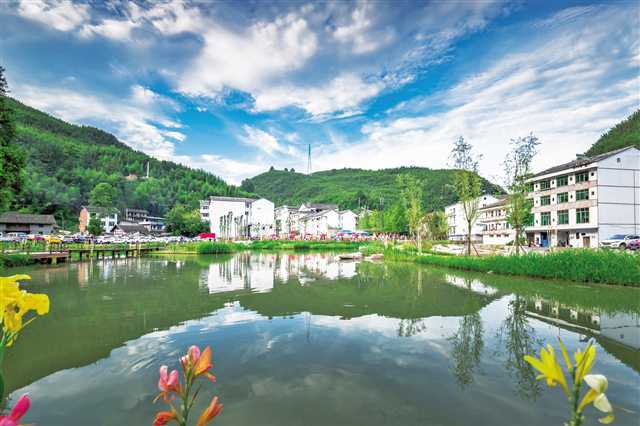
{"x":495,"y":227}
{"x":587,"y":200}
{"x":457,"y":223}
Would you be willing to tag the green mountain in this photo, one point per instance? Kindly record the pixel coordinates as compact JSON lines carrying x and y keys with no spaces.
{"x":351,"y":188}
{"x":65,"y":162}
{"x":625,"y":133}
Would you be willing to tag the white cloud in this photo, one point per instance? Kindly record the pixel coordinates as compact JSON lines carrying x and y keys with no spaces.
{"x":343,"y":93}
{"x":138,"y":125}
{"x":63,"y":15}
{"x":358,"y":32}
{"x":248,"y":61}
{"x":231,"y":170}
{"x":260,"y":139}
{"x":568,"y":91}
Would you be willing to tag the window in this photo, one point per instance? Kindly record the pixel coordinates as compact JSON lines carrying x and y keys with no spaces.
{"x":563,"y":197}
{"x":530,"y":187}
{"x":562,"y":180}
{"x":544,"y":185}
{"x":582,"y":177}
{"x":563,"y":217}
{"x":582,"y":195}
{"x":545,"y":201}
{"x":545,"y":218}
{"x":582,"y":215}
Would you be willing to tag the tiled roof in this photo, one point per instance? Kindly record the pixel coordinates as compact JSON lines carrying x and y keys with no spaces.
{"x":580,"y":162}
{"x":26,"y":218}
{"x":131,"y":228}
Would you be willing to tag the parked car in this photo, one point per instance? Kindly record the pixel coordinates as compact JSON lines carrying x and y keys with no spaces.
{"x":633,"y":244}
{"x":618,"y":241}
{"x":52,"y":239}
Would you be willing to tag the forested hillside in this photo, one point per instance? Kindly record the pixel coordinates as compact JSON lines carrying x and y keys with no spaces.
{"x":65,"y":162}
{"x":625,"y":133}
{"x":351,"y":188}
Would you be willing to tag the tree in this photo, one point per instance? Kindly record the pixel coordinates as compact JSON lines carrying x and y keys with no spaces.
{"x":517,"y":166}
{"x":95,"y":227}
{"x":411,"y":195}
{"x":248,"y":185}
{"x":12,"y":157}
{"x":467,"y":184}
{"x":103,"y":195}
{"x":437,"y":226}
{"x":185,"y":222}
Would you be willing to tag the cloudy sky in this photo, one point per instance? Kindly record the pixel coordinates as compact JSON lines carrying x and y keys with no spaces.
{"x":235,"y":87}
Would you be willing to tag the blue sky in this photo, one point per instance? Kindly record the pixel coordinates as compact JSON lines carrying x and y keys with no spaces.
{"x":236,"y":87}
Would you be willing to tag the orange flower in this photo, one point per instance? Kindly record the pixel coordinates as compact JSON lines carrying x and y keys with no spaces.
{"x":203,"y":365}
{"x":164,"y":417}
{"x":210,"y":412}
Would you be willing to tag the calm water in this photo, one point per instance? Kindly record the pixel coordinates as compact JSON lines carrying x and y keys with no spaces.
{"x":305,"y":339}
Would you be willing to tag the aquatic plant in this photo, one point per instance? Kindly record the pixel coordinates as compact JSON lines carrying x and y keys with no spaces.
{"x":17,"y":412}
{"x":14,"y":305}
{"x":578,"y":370}
{"x":195,"y":364}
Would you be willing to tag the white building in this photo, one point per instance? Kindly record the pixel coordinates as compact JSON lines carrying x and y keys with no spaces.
{"x":348,"y":220}
{"x":495,"y":228}
{"x":587,"y":200}
{"x":108,"y":218}
{"x":322,"y":224}
{"x":286,"y":221}
{"x":233,"y":217}
{"x":458,"y":224}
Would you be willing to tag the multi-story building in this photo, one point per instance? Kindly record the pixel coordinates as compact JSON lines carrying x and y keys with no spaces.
{"x":108,"y":217}
{"x":458,"y":224}
{"x":495,"y":227}
{"x":286,"y":220}
{"x":233,"y":217}
{"x":135,"y":215}
{"x":587,"y":200}
{"x":154,"y":224}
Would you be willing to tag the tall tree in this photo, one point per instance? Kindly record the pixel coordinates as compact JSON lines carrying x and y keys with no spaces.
{"x":467,"y":184}
{"x":517,"y":166}
{"x":411,"y":195}
{"x":437,"y":226}
{"x":103,"y":195}
{"x":12,"y":158}
{"x":95,"y":226}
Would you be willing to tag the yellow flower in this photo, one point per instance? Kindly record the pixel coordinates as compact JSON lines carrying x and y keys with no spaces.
{"x":584,"y":361}
{"x":598,"y":384}
{"x":15,"y":303}
{"x":549,"y":368}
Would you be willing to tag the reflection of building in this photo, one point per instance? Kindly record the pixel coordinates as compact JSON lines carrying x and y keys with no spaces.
{"x":587,"y":200}
{"x":314,"y":220}
{"x":242,"y":272}
{"x":475,"y":286}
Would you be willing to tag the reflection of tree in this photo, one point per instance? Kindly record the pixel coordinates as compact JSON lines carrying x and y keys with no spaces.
{"x":518,"y":338}
{"x":467,"y":345}
{"x":411,"y":327}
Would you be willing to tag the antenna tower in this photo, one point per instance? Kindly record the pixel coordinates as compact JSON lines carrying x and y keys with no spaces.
{"x":309,"y":160}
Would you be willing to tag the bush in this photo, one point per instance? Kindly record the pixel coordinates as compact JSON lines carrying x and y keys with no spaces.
{"x":583,"y":265}
{"x":211,"y":247}
{"x":11,"y":260}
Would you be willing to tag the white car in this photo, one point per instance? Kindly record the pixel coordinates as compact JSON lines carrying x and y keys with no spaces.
{"x":618,"y":241}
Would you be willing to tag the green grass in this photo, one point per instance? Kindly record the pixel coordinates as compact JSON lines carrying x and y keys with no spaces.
{"x":590,"y":266}
{"x":10,"y":260}
{"x":211,"y":247}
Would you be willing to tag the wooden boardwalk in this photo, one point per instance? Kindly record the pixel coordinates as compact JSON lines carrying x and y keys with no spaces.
{"x":96,"y":252}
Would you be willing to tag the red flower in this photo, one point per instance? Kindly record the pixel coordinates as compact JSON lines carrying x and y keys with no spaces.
{"x":18,"y":411}
{"x":164,"y":417}
{"x":210,"y":412}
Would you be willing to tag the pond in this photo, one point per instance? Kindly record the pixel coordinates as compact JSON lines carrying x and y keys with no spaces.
{"x":307,"y":339}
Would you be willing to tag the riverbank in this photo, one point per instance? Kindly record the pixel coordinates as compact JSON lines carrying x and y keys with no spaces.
{"x":580,"y":265}
{"x":216,"y":247}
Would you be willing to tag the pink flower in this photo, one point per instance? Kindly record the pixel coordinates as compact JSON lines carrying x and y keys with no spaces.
{"x":18,"y":411}
{"x":167,"y":383}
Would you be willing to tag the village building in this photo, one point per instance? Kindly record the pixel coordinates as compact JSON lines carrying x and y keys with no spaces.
{"x":24,"y":223}
{"x":235,"y":217}
{"x":286,"y":221}
{"x":585,"y":201}
{"x":457,"y":223}
{"x":108,"y":217}
{"x":135,"y":215}
{"x":348,"y":220}
{"x":129,"y":228}
{"x":495,"y":227}
{"x":154,"y":224}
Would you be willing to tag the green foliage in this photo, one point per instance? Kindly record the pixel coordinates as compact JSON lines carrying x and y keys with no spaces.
{"x":582,"y":265}
{"x":211,"y":247}
{"x":8,"y":260}
{"x":437,"y":226}
{"x":12,"y":159}
{"x":354,"y":188}
{"x":625,"y":133}
{"x":103,"y":195}
{"x":182,"y":221}
{"x":411,"y":196}
{"x":95,"y":227}
{"x":65,"y":162}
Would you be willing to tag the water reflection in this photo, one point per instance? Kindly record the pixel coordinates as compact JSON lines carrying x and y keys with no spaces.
{"x":309,"y":339}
